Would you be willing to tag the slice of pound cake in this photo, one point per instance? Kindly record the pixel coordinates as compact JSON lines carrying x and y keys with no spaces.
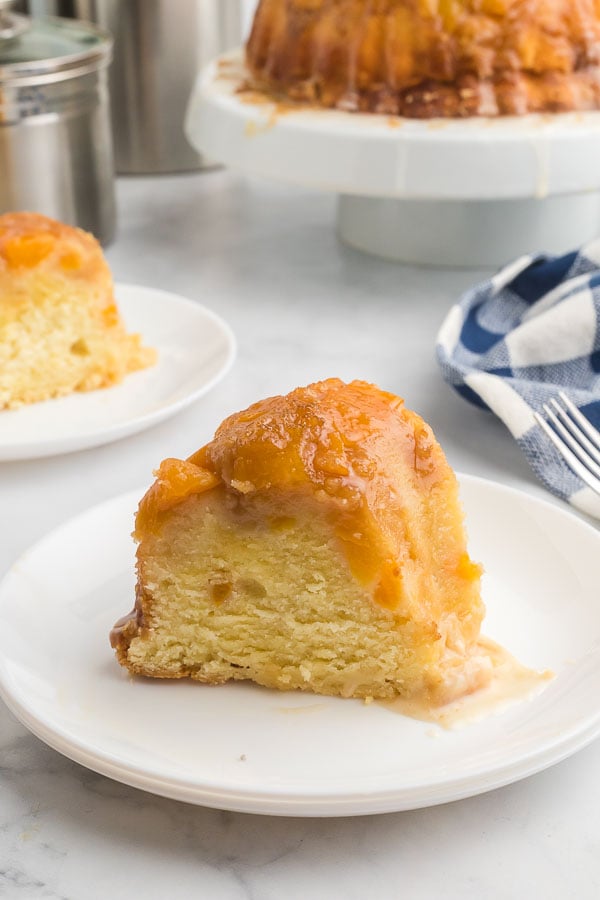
{"x":316,"y":543}
{"x":60,"y":329}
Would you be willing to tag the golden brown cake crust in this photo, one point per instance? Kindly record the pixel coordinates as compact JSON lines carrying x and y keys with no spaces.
{"x":426,"y":58}
{"x":340,"y":442}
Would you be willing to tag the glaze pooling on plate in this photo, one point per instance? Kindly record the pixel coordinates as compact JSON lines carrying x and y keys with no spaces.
{"x":540,"y":589}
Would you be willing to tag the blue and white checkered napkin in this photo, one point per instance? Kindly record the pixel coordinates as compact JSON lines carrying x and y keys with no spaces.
{"x":514,"y":341}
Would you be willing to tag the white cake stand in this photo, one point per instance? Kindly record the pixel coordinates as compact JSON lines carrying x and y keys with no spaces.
{"x":470,"y":192}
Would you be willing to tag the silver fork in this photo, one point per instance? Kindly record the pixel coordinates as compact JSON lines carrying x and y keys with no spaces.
{"x":575,"y":438}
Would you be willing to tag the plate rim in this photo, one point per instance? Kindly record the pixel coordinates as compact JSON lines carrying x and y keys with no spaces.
{"x":303,"y":805}
{"x":314,"y":803}
{"x":97,"y":437}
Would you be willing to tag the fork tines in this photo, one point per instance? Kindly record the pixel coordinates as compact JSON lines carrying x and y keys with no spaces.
{"x":575,"y":438}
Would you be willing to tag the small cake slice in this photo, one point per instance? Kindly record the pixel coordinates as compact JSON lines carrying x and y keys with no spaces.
{"x":316,"y":543}
{"x":60,"y":329}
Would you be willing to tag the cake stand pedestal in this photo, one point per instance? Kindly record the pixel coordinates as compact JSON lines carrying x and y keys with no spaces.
{"x":472,"y":192}
{"x":466,"y":233}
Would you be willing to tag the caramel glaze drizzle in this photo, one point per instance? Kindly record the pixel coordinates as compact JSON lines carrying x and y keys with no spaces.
{"x":452,"y":58}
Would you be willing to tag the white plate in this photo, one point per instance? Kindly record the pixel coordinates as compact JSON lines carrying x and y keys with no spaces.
{"x":244,"y":748}
{"x":195,"y":350}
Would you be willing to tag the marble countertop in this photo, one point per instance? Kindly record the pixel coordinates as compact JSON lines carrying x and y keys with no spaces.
{"x":303,"y":307}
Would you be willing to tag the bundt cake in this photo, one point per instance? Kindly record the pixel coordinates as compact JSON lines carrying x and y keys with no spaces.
{"x":60,"y":330}
{"x":425,"y":58}
{"x":316,"y":543}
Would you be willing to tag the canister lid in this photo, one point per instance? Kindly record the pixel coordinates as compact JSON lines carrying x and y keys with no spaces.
{"x":36,"y":51}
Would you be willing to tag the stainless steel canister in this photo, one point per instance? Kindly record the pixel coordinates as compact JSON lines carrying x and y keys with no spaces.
{"x":55,"y":135}
{"x":160,"y":46}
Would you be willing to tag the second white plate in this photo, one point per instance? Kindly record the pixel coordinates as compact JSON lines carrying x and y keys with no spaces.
{"x":195,"y":350}
{"x":244,"y":748}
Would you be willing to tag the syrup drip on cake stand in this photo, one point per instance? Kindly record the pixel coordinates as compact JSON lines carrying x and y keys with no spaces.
{"x":470,"y":192}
